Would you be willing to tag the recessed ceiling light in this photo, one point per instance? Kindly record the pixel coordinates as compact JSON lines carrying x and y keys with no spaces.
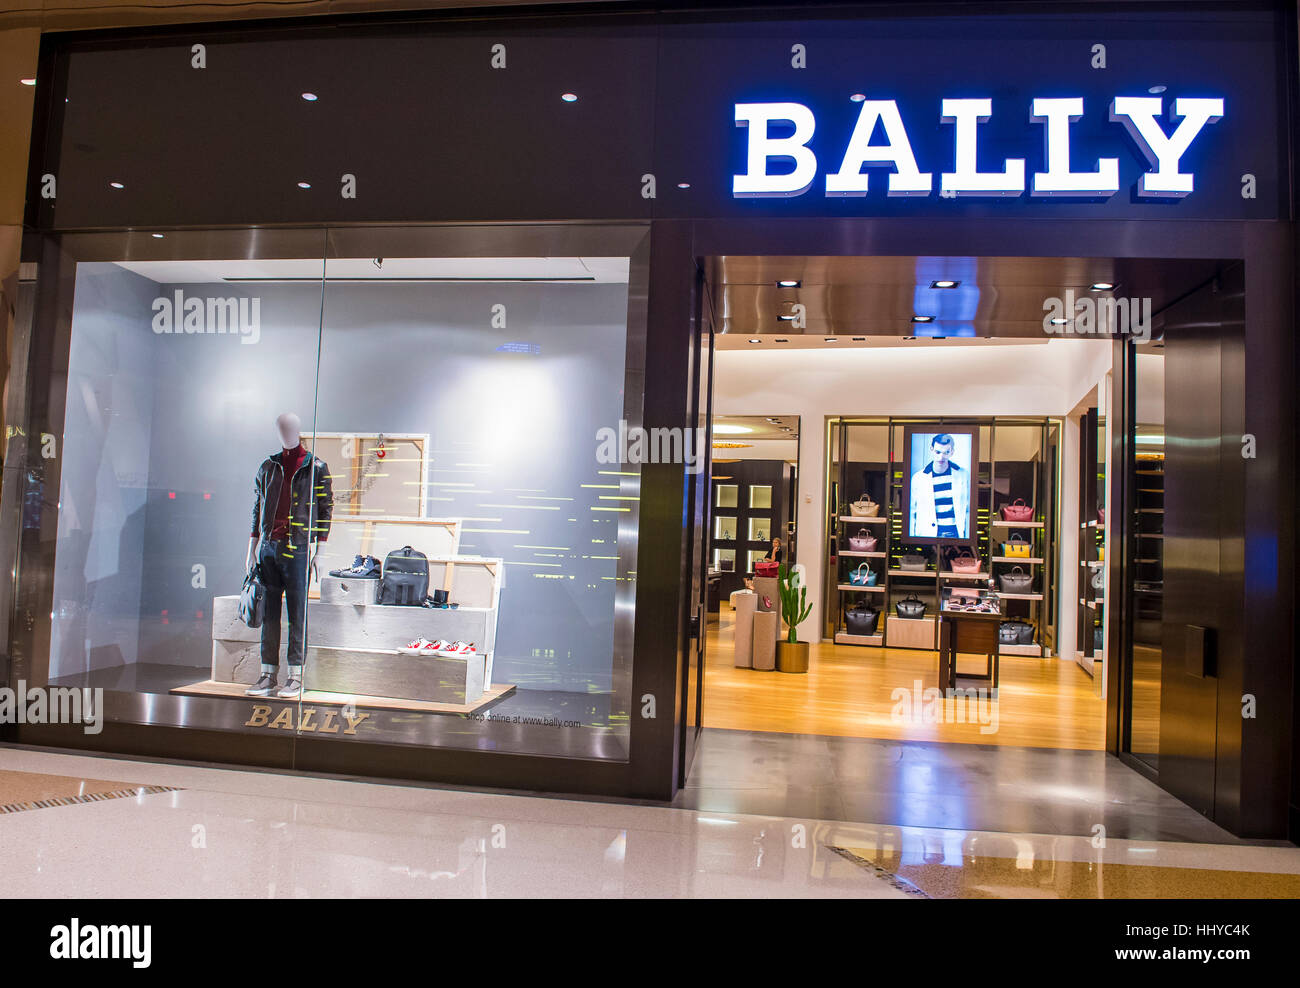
{"x":909,"y":337}
{"x":310,"y":97}
{"x":786,"y":428}
{"x":774,"y":421}
{"x":789,"y":283}
{"x":28,"y":82}
{"x":1058,"y":321}
{"x":755,"y":341}
{"x":1155,"y":90}
{"x":117,"y":185}
{"x":785,"y":318}
{"x":859,"y":339}
{"x":830,"y":339}
{"x":944,"y":283}
{"x":156,"y":236}
{"x":782,"y":340}
{"x":857,"y":97}
{"x":923,"y":319}
{"x":304,"y":185}
{"x":1101,"y":286}
{"x":683,"y":185}
{"x":570,"y":97}
{"x":727,"y":429}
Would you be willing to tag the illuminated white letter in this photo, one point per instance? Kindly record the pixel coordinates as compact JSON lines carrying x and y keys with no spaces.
{"x":757,"y":181}
{"x":905,"y":179}
{"x":1058,"y":180}
{"x":1138,"y":115}
{"x":967,"y":179}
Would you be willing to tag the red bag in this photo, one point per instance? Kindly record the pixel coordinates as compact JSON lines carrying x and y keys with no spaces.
{"x":1017,"y":510}
{"x":767,"y":567}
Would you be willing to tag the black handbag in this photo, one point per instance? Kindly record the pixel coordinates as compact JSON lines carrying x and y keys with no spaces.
{"x":1009,"y":633}
{"x":252,"y":598}
{"x":1026,"y":633}
{"x":910,"y":607}
{"x":1098,"y":639}
{"x":1017,"y":581}
{"x":861,"y":619}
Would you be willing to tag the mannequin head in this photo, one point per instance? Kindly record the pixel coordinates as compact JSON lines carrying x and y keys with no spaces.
{"x":289,"y":426}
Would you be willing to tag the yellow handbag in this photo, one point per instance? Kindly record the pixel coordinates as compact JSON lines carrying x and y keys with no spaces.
{"x":1017,"y":547}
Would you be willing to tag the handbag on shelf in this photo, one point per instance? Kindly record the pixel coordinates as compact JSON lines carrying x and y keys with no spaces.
{"x":1017,"y":581}
{"x":767,"y":567}
{"x":861,"y":619}
{"x":864,"y":507}
{"x":252,"y":598}
{"x":1101,"y":516}
{"x":863,"y":576}
{"x":1017,"y":510}
{"x":910,"y":607}
{"x":1009,"y":633}
{"x":1098,"y":639}
{"x":914,"y":563}
{"x":1017,"y":547}
{"x":864,"y":541}
{"x":965,"y":561}
{"x":1026,"y":633}
{"x":1098,"y":580}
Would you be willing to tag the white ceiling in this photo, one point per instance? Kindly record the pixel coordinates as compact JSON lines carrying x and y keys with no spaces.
{"x":730,"y":341}
{"x":588,"y":270}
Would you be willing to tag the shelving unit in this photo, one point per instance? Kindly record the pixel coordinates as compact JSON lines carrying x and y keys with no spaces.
{"x":881,"y":478}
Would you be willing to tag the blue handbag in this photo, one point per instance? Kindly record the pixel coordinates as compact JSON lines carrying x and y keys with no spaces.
{"x":860,"y":579}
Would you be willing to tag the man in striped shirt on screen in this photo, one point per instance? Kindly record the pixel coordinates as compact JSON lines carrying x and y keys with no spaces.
{"x":941,"y":494}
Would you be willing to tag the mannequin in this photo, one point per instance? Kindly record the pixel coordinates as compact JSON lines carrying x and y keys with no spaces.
{"x":292,"y":504}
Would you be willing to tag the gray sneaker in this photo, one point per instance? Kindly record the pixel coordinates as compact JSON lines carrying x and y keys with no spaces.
{"x":264,"y":686}
{"x":291,"y":690}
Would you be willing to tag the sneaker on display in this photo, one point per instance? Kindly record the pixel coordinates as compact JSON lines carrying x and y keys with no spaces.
{"x":459,"y":650}
{"x":291,"y":690}
{"x":362,"y":568}
{"x":263,"y":687}
{"x":422,"y":646}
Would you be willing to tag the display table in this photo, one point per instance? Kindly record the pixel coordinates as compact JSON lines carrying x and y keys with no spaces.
{"x":972,"y":633}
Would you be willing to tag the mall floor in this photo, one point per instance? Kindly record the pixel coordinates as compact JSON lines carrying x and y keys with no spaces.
{"x":86,"y":827}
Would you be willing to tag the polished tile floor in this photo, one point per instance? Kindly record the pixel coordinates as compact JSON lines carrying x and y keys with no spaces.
{"x":933,"y":785}
{"x":225,"y":833}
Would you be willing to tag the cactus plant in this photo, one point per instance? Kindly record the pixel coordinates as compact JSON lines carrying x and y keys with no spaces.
{"x":794,"y":606}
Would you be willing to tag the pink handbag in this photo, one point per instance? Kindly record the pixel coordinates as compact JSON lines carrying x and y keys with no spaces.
{"x":965,"y":562}
{"x":864,"y":541}
{"x":1017,"y":510}
{"x":767,"y":567}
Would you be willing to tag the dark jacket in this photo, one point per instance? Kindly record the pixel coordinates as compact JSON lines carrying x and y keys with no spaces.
{"x":311,"y":501}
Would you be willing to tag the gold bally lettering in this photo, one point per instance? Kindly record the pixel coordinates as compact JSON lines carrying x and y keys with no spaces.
{"x":258,"y":718}
{"x":353,"y":721}
{"x":304,"y":721}
{"x":330,"y":726}
{"x":283,"y":720}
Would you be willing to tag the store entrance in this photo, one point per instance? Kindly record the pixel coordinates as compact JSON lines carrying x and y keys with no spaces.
{"x":953,"y":438}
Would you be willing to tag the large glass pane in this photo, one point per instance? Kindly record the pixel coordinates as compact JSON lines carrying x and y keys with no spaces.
{"x":478,"y":535}
{"x":185,"y":366}
{"x":1148,"y":444}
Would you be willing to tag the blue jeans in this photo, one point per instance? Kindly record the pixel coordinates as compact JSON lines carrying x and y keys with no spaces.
{"x":284,"y":572}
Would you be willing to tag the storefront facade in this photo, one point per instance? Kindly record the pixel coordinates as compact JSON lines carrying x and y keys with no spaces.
{"x":363,"y":206}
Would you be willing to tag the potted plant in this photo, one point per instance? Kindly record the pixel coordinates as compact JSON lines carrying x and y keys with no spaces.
{"x":792,"y":654}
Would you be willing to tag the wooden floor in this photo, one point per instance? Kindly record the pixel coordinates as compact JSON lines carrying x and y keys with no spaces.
{"x":848,"y":691}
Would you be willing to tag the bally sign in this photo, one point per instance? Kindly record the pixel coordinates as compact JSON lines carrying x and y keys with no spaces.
{"x":1138,"y":115}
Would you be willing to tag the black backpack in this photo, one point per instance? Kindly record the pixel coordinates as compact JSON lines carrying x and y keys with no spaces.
{"x":405,"y":579}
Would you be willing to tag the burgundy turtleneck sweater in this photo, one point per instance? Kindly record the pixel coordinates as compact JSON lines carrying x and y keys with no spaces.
{"x":290,"y":460}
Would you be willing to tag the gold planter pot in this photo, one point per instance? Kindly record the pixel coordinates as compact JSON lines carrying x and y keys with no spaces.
{"x":791,"y":657}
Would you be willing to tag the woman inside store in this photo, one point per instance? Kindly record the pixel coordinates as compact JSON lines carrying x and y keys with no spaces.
{"x":774,"y":554}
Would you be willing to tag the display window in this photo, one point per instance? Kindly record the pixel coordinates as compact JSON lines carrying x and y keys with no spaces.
{"x":357,"y":496}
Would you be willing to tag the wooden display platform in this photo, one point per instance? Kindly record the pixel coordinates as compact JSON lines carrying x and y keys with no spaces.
{"x":844,"y":638}
{"x":1035,"y":651}
{"x":209,"y":687}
